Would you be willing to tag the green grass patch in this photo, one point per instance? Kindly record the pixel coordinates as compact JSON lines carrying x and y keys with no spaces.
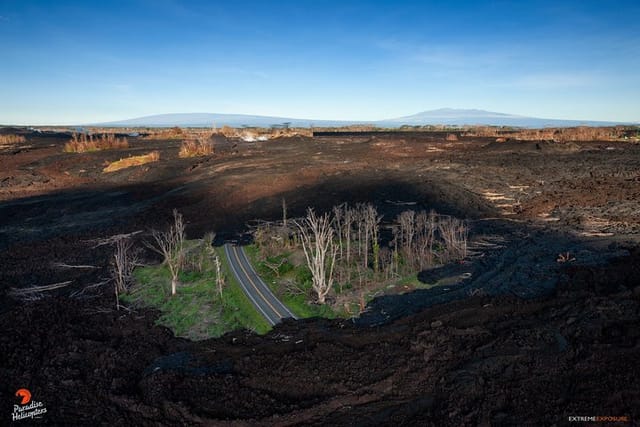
{"x":197,"y":311}
{"x":412,"y":280}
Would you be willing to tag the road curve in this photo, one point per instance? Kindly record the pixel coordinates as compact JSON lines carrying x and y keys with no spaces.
{"x":258,"y":292}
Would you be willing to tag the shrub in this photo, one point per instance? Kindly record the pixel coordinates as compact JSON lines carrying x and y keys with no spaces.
{"x":154,"y":156}
{"x":11,"y":139}
{"x":194,"y":147}
{"x":579,"y":133}
{"x":228,"y":132}
{"x":171,"y":133}
{"x":83,"y":143}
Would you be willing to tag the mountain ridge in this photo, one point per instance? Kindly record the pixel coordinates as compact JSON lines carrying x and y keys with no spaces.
{"x":440,"y":116}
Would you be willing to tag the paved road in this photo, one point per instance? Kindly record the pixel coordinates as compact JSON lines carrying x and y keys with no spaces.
{"x":257,"y":291}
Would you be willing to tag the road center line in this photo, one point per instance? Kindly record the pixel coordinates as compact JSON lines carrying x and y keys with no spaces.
{"x":240,"y":263}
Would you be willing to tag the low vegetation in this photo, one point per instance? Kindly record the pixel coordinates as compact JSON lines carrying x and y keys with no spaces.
{"x":170,"y":133}
{"x":11,"y":139}
{"x":81,"y":143}
{"x":577,"y":134}
{"x":196,"y":146}
{"x":128,"y":162}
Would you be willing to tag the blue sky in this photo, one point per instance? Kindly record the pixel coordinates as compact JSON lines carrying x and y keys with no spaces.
{"x":65,"y":62}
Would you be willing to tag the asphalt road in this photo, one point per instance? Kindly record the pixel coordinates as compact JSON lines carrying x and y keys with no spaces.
{"x":257,"y":291}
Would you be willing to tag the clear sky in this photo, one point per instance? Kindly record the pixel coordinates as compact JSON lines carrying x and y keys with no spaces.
{"x":79,"y":61}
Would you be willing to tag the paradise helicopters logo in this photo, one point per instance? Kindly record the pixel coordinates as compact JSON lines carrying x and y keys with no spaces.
{"x":27,"y":408}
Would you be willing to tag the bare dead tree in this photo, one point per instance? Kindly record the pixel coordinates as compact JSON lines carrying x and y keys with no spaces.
{"x":454,"y":232}
{"x":275,"y":267}
{"x":292,"y":288}
{"x":426,"y":226}
{"x":320,"y":251}
{"x":124,"y":261}
{"x":112,"y":239}
{"x":284,"y":213}
{"x":198,"y":257}
{"x":357,"y":217}
{"x":347,"y":224}
{"x":205,"y":257}
{"x":364,"y":217}
{"x":371,"y":221}
{"x":261,"y":235}
{"x":338,"y":216}
{"x":341,"y":274}
{"x":207,"y":249}
{"x":432,"y":224}
{"x":270,"y":237}
{"x":219,"y":275}
{"x":34,"y":293}
{"x":170,"y":245}
{"x":63,"y":265}
{"x":386,"y":260}
{"x":361,"y":288}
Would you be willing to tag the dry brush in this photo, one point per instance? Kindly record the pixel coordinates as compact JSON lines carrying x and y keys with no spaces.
{"x":81,"y":143}
{"x":196,"y":146}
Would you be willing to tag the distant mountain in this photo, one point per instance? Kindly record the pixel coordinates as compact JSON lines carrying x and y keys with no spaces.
{"x":452,"y":116}
{"x":219,"y":120}
{"x":455,"y":114}
{"x":442,"y":116}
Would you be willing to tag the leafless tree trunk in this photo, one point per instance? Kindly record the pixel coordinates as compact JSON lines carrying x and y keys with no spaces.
{"x":360,"y":224}
{"x":170,"y":244}
{"x":198,"y":257}
{"x":284,"y":213}
{"x":320,"y":250}
{"x":123,"y":263}
{"x":365,"y":252}
{"x":361,"y":289}
{"x":433,"y":226}
{"x":372,"y":230}
{"x":338,"y":217}
{"x":347,"y":224}
{"x":219,"y":275}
